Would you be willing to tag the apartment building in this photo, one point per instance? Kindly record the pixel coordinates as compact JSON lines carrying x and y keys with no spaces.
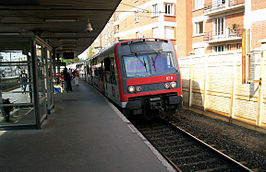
{"x":105,"y":38}
{"x":195,"y":26}
{"x":255,"y":20}
{"x":206,"y":26}
{"x":140,"y":19}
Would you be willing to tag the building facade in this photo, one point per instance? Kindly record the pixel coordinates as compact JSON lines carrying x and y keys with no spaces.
{"x":139,"y":19}
{"x":196,"y":27}
{"x":217,"y":25}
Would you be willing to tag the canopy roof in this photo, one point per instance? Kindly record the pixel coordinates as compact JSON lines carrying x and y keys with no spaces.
{"x":67,"y":25}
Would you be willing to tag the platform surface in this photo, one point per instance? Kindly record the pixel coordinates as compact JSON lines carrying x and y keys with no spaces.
{"x":84,"y":133}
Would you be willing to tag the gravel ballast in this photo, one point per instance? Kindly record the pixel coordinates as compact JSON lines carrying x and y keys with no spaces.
{"x":242,"y":144}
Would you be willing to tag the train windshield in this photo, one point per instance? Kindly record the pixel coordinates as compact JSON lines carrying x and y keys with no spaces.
{"x":149,"y":64}
{"x":137,"y":66}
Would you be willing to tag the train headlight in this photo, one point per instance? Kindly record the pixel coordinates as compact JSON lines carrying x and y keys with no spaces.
{"x":167,"y":85}
{"x":131,"y":89}
{"x":173,"y":84}
{"x":138,"y":88}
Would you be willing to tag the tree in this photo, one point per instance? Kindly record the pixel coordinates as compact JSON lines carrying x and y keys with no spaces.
{"x":70,"y":61}
{"x":90,"y":52}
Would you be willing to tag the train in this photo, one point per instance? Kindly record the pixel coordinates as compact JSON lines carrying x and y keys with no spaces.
{"x":141,"y":76}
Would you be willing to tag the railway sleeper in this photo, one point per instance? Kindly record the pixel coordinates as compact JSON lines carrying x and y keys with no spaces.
{"x":180,"y":145}
{"x":194,"y":159}
{"x":202,"y":165}
{"x":170,"y":138}
{"x":185,"y":152}
{"x":220,"y":168}
{"x":191,"y":156}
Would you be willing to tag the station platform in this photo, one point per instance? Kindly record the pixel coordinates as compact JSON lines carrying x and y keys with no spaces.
{"x":84,"y":133}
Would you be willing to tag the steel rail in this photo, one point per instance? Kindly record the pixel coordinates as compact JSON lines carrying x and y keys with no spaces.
{"x":228,"y":161}
{"x":222,"y":155}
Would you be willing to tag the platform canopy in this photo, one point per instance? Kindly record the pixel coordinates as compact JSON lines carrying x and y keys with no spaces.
{"x":66,"y":25}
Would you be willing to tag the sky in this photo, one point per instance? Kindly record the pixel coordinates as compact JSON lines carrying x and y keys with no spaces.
{"x":83,"y":55}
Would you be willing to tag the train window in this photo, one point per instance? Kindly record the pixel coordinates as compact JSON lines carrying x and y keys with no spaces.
{"x":107,"y":64}
{"x":161,"y":63}
{"x":137,"y":66}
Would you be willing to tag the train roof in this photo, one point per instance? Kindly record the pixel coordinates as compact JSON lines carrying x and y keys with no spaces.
{"x":109,"y":48}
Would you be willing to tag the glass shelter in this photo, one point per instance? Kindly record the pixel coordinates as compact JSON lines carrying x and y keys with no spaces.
{"x":26,"y":81}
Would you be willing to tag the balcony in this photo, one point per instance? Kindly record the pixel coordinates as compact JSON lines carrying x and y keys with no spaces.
{"x":218,"y":7}
{"x":224,"y":36}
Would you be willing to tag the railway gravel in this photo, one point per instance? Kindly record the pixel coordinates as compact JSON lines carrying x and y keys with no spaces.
{"x":243,"y":145}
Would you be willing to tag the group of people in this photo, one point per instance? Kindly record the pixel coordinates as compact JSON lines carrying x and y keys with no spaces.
{"x":68,"y":76}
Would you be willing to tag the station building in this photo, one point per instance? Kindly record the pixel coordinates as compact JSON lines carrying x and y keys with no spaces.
{"x":34,"y":35}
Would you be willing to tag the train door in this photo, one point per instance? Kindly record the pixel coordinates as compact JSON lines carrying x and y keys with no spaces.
{"x":111,"y":87}
{"x":90,"y":73}
{"x":114,"y":81}
{"x":101,"y":74}
{"x":107,"y":75}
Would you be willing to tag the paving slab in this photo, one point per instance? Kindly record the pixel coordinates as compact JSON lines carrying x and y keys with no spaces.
{"x":84,"y":133}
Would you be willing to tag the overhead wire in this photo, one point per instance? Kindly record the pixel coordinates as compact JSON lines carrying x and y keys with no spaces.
{"x":143,"y":10}
{"x":135,"y":7}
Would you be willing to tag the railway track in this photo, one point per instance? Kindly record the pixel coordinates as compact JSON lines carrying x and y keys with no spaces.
{"x":184,"y":151}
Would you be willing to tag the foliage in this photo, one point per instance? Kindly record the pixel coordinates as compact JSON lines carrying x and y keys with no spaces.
{"x":90,"y":52}
{"x":70,"y":61}
{"x":234,"y":27}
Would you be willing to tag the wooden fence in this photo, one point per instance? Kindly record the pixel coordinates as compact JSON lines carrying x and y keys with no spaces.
{"x":213,"y":83}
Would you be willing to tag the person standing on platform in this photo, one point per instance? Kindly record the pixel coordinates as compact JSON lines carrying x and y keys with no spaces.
{"x":67,"y":78}
{"x":23,"y":81}
{"x":70,"y":73}
{"x":76,"y":77}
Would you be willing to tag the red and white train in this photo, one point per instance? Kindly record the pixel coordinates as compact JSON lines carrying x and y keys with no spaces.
{"x":140,"y":75}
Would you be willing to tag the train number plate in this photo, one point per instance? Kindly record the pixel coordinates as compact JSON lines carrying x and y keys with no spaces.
{"x":155,"y":99}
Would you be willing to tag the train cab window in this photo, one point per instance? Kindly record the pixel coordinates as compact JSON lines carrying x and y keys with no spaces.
{"x":137,"y":66}
{"x":161,"y":63}
{"x":151,"y":64}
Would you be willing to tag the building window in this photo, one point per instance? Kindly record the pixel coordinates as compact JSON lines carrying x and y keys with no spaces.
{"x":219,"y":26}
{"x":229,"y":47}
{"x":238,"y":46}
{"x":136,"y":16}
{"x":154,"y":10}
{"x":169,"y":33}
{"x":219,"y":48}
{"x":155,"y":32}
{"x":218,"y":3}
{"x":199,"y":4}
{"x":117,"y":29}
{"x":199,"y":51}
{"x":169,"y":9}
{"x":137,"y":35}
{"x":198,"y":28}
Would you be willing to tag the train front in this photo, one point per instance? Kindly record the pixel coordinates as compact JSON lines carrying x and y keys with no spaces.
{"x":150,"y":82}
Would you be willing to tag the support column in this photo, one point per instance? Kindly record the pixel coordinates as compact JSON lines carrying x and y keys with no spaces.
{"x":35,"y":84}
{"x":232,"y":107}
{"x":205,"y":85}
{"x":190,"y":84}
{"x":261,"y":89}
